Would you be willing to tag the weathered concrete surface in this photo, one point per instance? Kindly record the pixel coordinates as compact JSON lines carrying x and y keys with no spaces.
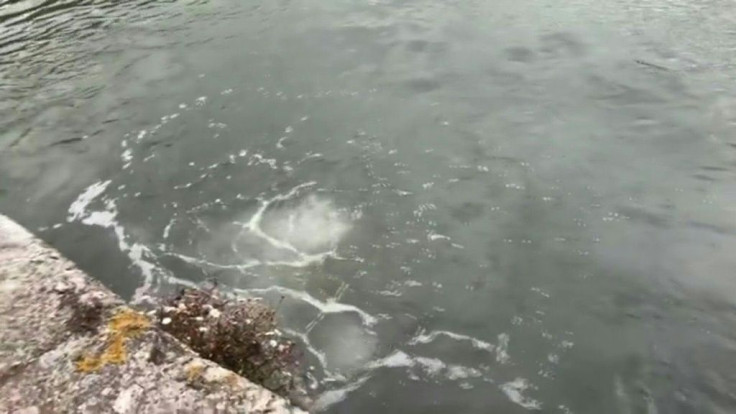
{"x":69,"y":345}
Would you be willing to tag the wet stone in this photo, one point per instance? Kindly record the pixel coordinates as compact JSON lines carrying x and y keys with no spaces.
{"x":70,"y":345}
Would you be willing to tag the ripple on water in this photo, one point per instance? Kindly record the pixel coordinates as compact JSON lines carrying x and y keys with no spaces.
{"x":273,"y":234}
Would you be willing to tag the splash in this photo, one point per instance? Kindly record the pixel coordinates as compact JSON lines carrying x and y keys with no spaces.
{"x":292,"y":230}
{"x":313,"y":226}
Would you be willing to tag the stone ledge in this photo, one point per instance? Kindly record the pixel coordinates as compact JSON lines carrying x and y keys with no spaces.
{"x":68,"y":347}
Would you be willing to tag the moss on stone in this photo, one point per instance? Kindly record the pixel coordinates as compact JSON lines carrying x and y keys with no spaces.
{"x":193,"y":372}
{"x":125,"y":324}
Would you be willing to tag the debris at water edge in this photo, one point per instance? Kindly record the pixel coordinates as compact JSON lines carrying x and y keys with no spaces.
{"x":239,"y":334}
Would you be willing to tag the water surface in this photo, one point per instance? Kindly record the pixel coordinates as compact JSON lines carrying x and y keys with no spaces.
{"x":468,"y":207}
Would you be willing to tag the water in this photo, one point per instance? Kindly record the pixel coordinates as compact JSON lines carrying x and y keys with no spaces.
{"x":480,"y":206}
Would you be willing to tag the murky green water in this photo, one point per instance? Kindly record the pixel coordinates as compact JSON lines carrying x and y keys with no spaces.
{"x":469,"y":207}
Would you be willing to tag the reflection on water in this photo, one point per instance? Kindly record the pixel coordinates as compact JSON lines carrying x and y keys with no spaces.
{"x":467,"y":207}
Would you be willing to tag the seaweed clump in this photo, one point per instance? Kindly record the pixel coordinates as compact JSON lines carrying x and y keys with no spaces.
{"x":238,"y":334}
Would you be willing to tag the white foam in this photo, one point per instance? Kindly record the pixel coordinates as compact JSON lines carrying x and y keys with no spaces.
{"x":329,"y":306}
{"x":541,"y":292}
{"x":396,"y":360}
{"x":312,"y":226}
{"x":309,"y":231}
{"x":167,"y":229}
{"x":255,"y":221}
{"x":502,"y":354}
{"x":457,"y":372}
{"x":280,"y":142}
{"x":514,"y":390}
{"x":127,"y":157}
{"x":203,"y":262}
{"x":424,"y":338}
{"x":432,"y":367}
{"x":78,"y":208}
{"x":308,"y":345}
{"x":257,"y":159}
{"x":140,"y":255}
{"x":435,"y":236}
{"x":331,"y":397}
